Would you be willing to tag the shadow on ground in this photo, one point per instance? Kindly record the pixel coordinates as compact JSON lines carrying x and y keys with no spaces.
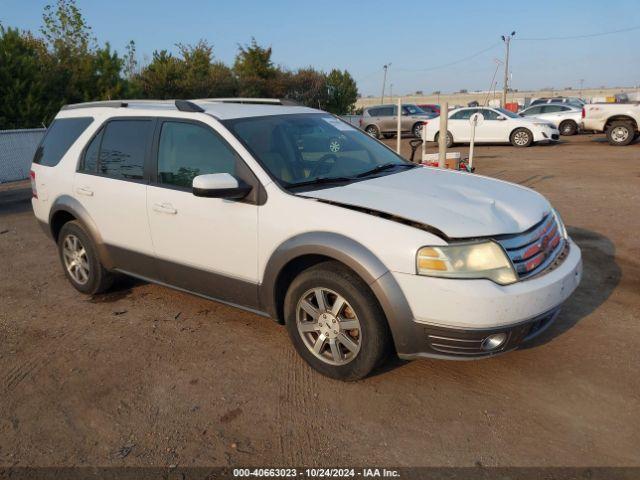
{"x":601,"y":275}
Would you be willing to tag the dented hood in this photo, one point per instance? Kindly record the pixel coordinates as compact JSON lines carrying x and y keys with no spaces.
{"x":460,"y":205}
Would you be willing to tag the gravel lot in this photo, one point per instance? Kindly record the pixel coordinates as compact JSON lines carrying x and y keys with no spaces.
{"x":146,"y":375}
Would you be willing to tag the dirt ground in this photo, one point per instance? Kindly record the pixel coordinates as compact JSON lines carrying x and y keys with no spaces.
{"x":148,"y":376}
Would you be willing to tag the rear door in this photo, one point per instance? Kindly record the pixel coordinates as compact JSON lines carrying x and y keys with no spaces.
{"x":459,"y":125}
{"x":111,"y":184}
{"x":388,"y":119}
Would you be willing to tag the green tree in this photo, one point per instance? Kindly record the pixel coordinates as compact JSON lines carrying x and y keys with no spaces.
{"x":342,"y":92}
{"x":308,"y":87}
{"x":162,"y":78}
{"x":204,"y":78}
{"x":24,"y":69}
{"x":254,"y":70}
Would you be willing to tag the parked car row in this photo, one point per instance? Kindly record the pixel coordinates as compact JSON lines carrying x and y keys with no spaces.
{"x":495,"y":125}
{"x":382,"y":120}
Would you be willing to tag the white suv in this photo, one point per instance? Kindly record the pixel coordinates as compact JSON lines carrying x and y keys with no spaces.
{"x":294,"y":214}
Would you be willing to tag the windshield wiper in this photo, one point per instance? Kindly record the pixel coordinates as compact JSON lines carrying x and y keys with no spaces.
{"x":320,"y":181}
{"x":383,"y":167}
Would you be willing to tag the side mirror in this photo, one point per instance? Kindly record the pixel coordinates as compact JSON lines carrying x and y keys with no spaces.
{"x":502,"y":119}
{"x":220,"y":185}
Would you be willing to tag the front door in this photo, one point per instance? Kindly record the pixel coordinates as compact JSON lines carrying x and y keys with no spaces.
{"x":205,"y":245}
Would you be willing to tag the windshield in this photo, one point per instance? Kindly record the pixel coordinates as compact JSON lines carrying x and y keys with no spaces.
{"x":312,"y":148}
{"x":507,"y":113}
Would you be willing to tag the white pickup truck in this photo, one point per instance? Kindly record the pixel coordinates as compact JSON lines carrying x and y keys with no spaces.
{"x":618,"y":120}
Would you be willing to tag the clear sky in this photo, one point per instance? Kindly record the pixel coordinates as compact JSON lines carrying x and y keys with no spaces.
{"x":417,"y":37}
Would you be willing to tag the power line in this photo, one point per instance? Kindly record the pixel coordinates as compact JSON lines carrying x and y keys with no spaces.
{"x":588,"y":35}
{"x":448,"y":64}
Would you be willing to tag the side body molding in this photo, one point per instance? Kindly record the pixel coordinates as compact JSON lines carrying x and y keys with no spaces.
{"x":357,"y":257}
{"x":69,"y":204}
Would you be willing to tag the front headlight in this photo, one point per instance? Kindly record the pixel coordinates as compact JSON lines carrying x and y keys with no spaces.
{"x":472,"y":260}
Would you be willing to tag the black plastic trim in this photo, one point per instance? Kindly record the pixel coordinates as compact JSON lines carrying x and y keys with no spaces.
{"x":187,"y":106}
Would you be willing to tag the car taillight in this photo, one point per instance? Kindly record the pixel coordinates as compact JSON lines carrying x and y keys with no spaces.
{"x":34,"y":190}
{"x":583,"y":112}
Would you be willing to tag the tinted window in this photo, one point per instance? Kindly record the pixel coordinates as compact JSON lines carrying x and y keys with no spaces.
{"x":551,"y":108}
{"x":385,"y":112}
{"x":187,"y":150}
{"x":463,"y":114}
{"x":373,"y":112}
{"x":123,"y":148}
{"x":489,"y":114}
{"x":90,"y":162}
{"x":60,"y":136}
{"x":532,"y":111}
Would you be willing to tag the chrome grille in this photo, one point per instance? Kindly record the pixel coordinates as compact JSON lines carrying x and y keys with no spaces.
{"x":533,"y":251}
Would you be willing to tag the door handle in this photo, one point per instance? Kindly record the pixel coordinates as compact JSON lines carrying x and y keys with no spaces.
{"x":82,"y":190}
{"x":164,"y":208}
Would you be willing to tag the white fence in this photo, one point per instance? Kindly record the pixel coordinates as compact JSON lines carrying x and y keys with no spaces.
{"x":16,"y":152}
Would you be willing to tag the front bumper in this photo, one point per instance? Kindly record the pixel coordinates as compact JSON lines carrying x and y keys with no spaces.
{"x":459,"y":344}
{"x":546,"y":134}
{"x":467,"y":311}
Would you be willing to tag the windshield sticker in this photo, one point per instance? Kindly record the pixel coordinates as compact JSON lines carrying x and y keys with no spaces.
{"x":335,"y":123}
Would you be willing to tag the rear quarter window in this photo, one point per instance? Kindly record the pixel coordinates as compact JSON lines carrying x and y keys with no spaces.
{"x":62,"y":133}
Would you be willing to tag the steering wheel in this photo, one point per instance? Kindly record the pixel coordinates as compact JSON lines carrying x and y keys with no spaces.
{"x":324,"y":165}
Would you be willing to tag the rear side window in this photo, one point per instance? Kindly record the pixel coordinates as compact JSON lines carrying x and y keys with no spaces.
{"x":62,"y":133}
{"x":123,"y":148}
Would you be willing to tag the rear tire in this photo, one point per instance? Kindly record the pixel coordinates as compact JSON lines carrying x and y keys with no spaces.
{"x":373,"y":131}
{"x":620,"y":133}
{"x":449,"y":139}
{"x":80,"y":260}
{"x":568,"y":128}
{"x":521,"y":137}
{"x":417,"y":130}
{"x":348,"y":330}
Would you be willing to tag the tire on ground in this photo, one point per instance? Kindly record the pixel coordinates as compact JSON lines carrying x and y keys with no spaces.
{"x":99,"y":279}
{"x":375,"y":336}
{"x":521,"y":137}
{"x":568,"y":128}
{"x":620,"y":133}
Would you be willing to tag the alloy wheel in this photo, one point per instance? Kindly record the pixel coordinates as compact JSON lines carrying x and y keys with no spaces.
{"x":75,"y":259}
{"x":328,"y":326}
{"x":521,"y":138}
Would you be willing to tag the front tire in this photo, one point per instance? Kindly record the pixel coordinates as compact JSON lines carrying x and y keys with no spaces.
{"x":373,"y":131}
{"x":620,"y":133}
{"x":335,"y":322}
{"x":568,"y":128}
{"x":80,"y":260}
{"x":521,"y":137}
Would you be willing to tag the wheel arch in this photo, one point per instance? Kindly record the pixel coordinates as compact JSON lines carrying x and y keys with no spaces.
{"x":65,"y":209}
{"x":308,"y":249}
{"x":621,"y":118}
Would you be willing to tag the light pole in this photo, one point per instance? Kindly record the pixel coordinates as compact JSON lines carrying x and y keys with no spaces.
{"x":384,"y":80}
{"x":507,"y":41}
{"x":391,"y":90}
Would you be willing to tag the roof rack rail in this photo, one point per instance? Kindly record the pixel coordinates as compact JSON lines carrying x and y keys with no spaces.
{"x":253,"y":101}
{"x":188,"y":106}
{"x":105,"y":103}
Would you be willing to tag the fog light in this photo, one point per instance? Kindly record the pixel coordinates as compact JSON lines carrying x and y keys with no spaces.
{"x":494,"y":341}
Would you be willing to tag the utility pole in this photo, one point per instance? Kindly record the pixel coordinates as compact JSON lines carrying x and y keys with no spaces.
{"x":384,"y":80}
{"x":507,"y":41}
